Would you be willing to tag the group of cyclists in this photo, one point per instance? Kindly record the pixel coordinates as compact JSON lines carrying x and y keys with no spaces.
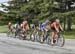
{"x":47,"y":25}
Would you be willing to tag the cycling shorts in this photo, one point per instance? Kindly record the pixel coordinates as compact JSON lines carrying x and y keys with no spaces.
{"x":54,"y":30}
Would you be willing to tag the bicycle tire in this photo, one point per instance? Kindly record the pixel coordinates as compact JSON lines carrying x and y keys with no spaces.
{"x":9,"y":34}
{"x":32,"y":38}
{"x":61,"y":41}
{"x":37,"y":37}
{"x":48,"y":40}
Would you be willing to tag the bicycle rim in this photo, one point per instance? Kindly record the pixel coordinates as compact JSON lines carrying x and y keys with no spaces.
{"x":48,"y":40}
{"x":60,"y":41}
{"x":9,"y":34}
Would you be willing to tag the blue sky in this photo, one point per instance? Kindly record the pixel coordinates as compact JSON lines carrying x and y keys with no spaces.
{"x":1,"y":1}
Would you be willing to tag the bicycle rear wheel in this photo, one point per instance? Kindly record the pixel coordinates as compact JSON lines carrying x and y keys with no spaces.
{"x":37,"y":37}
{"x":10,"y":34}
{"x":32,"y":37}
{"x":28,"y":35}
{"x":48,"y":40}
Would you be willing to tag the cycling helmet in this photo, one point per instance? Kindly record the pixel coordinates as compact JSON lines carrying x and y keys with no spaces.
{"x":25,"y":22}
{"x":47,"y":21}
{"x":57,"y":20}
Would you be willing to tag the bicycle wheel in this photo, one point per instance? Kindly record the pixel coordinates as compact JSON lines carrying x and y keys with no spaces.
{"x":21,"y":35}
{"x":9,"y":34}
{"x":48,"y":40}
{"x":60,"y":41}
{"x":45,"y":38}
{"x":37,"y":37}
{"x":32,"y":37}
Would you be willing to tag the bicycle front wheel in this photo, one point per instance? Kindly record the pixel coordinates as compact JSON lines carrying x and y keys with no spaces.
{"x":9,"y":34}
{"x":61,"y":41}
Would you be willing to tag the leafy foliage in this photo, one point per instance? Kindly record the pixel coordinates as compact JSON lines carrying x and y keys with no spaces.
{"x":40,"y":10}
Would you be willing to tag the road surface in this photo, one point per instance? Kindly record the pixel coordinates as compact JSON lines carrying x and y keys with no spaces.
{"x":16,"y":46}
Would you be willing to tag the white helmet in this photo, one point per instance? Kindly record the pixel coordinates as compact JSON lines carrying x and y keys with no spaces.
{"x":57,"y":20}
{"x":47,"y":21}
{"x":25,"y":22}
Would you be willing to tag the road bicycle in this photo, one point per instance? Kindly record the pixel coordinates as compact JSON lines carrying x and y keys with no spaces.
{"x":35,"y":36}
{"x":60,"y":41}
{"x":10,"y":33}
{"x":24,"y":35}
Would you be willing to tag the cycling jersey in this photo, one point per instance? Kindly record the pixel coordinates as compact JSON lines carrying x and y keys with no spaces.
{"x":33,"y":27}
{"x":36,"y":24}
{"x":43,"y":25}
{"x":9,"y":25}
{"x":17,"y":26}
{"x":24,"y":25}
{"x":53,"y":26}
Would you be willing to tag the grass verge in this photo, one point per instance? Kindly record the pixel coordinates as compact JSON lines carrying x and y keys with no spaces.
{"x":69,"y":35}
{"x":3,"y":29}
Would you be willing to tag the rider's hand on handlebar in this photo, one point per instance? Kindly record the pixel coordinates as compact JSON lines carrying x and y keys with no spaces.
{"x":57,"y":31}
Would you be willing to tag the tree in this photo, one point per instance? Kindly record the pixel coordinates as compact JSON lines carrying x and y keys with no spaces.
{"x":41,"y":10}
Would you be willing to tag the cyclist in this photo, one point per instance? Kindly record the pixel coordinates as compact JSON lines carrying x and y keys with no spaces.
{"x":55,"y":28}
{"x":9,"y":26}
{"x":35,"y":25}
{"x":17,"y":28}
{"x":45,"y":26}
{"x":25,"y":25}
{"x":35,"y":28}
{"x":25,"y":28}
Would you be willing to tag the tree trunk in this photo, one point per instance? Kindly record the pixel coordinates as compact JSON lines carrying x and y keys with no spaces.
{"x":69,"y":23}
{"x":64,"y":23}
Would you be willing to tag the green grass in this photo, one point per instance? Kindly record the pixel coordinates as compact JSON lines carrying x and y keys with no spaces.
{"x":68,"y":35}
{"x":3,"y":28}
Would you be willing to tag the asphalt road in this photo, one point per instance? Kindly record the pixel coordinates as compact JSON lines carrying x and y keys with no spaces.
{"x":16,"y":46}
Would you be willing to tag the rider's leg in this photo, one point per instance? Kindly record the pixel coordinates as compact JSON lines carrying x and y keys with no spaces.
{"x":33,"y":34}
{"x":52,"y":37}
{"x":23,"y":34}
{"x":55,"y":37}
{"x":42,"y":36}
{"x":15,"y":34}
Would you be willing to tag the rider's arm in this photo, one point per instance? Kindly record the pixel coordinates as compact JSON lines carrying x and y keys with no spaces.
{"x":23,"y":27}
{"x":56,"y":28}
{"x":61,"y":27}
{"x":27,"y":27}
